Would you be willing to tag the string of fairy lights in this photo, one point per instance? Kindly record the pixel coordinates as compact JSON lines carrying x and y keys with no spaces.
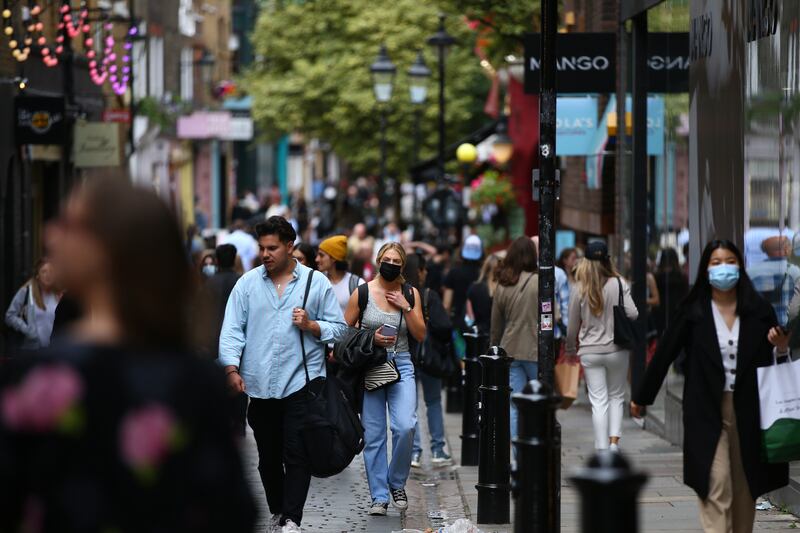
{"x":109,"y":61}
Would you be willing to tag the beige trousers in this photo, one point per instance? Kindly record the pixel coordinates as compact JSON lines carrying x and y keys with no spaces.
{"x":729,"y":507}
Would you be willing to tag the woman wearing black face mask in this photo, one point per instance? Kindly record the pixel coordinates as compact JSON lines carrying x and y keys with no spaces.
{"x":391,"y":303}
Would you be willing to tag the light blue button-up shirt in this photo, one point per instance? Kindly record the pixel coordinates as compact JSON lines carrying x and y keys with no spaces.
{"x":258,"y":335}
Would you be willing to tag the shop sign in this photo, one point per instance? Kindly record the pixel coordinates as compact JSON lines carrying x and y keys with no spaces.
{"x":39,"y":120}
{"x":220,"y":125}
{"x":587,"y":63}
{"x":117,"y":115}
{"x":576,"y":122}
{"x":96,"y":144}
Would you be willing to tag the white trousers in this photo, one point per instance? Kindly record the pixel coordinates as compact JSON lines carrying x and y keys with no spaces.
{"x":606,"y":376}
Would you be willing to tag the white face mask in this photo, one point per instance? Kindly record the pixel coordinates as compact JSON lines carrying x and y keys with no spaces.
{"x":209,"y":270}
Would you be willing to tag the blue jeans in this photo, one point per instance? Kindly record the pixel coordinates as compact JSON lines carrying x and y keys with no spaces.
{"x":521,"y":373}
{"x":432,"y":393}
{"x":401,"y":398}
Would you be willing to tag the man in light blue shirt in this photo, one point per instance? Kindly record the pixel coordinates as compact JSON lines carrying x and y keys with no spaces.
{"x":260,"y":349}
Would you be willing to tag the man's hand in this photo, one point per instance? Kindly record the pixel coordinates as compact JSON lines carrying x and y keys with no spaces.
{"x":636,"y":410}
{"x":235,"y":381}
{"x":303,"y":323}
{"x":300,"y":319}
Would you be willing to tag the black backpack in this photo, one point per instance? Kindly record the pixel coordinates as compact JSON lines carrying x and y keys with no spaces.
{"x":332,"y":433}
{"x":433,"y":356}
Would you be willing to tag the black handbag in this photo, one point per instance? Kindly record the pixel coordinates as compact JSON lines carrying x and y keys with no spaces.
{"x":332,"y":433}
{"x":434,"y":357}
{"x":626,"y":333}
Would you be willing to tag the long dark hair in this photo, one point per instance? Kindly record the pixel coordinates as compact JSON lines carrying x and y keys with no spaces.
{"x":669,"y":261}
{"x":147,"y":265}
{"x":746,"y":295}
{"x":414,"y":264}
{"x":521,"y":257}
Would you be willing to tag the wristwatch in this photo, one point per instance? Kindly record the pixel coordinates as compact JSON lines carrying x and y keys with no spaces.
{"x":408,"y":309}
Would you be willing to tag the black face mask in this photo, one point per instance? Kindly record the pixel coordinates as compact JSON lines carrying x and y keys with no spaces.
{"x":389,"y":271}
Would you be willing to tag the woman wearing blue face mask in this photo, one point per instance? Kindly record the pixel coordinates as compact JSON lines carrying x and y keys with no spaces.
{"x":727,"y":330}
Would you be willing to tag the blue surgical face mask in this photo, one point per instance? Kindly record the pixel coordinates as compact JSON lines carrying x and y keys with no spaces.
{"x":723,"y":277}
{"x":209,"y":270}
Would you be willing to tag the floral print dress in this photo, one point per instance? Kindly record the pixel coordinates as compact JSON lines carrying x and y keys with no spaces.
{"x":116,"y":440}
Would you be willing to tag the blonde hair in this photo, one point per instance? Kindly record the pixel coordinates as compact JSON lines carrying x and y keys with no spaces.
{"x":592,"y":277}
{"x":397,"y":247}
{"x":35,"y":284}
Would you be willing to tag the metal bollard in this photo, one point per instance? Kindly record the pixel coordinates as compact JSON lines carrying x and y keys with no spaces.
{"x":495,"y":435}
{"x":477,"y":344}
{"x":609,"y":488}
{"x":536,"y":493}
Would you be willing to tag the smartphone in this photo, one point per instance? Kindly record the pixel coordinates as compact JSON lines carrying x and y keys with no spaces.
{"x":388,"y":331}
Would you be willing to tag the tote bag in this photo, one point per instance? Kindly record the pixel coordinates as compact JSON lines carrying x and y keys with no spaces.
{"x":779,"y":399}
{"x":567,"y":375}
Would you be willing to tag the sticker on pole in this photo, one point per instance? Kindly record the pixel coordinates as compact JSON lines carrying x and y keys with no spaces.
{"x":547,"y":322}
{"x":547,"y":306}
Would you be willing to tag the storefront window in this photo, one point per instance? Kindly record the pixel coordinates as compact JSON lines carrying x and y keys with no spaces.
{"x":772,"y":161}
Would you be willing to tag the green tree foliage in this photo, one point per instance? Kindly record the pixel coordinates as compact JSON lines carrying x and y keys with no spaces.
{"x":312,"y":76}
{"x":500,"y":24}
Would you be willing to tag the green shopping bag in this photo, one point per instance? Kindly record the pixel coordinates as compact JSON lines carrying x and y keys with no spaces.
{"x":779,"y":398}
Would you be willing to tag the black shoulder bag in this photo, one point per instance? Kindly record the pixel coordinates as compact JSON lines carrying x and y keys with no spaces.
{"x":332,"y":433}
{"x":435,"y":358}
{"x":626,"y":334}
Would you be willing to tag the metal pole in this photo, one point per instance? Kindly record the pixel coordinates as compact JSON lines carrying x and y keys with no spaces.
{"x":382,"y":178}
{"x":548,"y":191}
{"x":495,"y":435}
{"x":68,"y":89}
{"x":416,"y":218}
{"x":639,"y":186}
{"x":535,"y":505}
{"x":440,"y":155}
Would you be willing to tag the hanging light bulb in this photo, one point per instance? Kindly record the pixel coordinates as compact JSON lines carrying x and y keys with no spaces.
{"x":8,"y":30}
{"x":22,"y":84}
{"x":13,"y":43}
{"x":6,"y":13}
{"x":35,"y":10}
{"x":28,"y":41}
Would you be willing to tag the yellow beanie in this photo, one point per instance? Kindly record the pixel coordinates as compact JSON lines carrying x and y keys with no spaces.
{"x":336,"y":247}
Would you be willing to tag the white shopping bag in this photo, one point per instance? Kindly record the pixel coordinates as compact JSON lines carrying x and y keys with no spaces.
{"x":779,"y":398}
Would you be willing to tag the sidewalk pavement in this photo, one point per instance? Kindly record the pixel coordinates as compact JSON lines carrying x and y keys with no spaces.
{"x":438,"y":496}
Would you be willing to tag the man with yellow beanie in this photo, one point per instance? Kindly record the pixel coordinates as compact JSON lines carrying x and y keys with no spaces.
{"x":332,"y":261}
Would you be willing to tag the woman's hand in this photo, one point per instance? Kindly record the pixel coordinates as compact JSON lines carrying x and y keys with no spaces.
{"x":382,"y":340}
{"x":779,"y":338}
{"x":397,"y":299}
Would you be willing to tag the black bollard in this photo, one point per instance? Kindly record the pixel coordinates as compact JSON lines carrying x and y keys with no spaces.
{"x":454,"y":385}
{"x":609,"y":489}
{"x":495,"y":435}
{"x":477,"y":344}
{"x":536,"y":491}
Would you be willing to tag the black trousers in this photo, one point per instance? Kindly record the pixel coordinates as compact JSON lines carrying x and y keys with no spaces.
{"x":281,"y":454}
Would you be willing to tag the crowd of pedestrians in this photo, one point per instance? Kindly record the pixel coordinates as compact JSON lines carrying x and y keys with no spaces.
{"x":152,"y":371}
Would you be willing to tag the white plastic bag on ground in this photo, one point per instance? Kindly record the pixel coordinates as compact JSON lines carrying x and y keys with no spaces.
{"x":462,"y":525}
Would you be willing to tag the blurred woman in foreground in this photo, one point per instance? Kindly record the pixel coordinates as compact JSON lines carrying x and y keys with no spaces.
{"x":117,"y":429}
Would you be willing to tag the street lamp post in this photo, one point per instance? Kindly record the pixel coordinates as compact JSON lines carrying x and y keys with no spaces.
{"x":418,"y":75}
{"x":441,"y":41}
{"x":383,"y":71}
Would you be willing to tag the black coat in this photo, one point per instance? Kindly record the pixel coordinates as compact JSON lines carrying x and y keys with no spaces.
{"x":693,"y":331}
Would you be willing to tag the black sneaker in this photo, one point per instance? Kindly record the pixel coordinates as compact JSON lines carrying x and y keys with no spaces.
{"x":399,"y":499}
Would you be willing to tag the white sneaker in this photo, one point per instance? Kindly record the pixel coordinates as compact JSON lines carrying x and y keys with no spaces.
{"x":378,"y":509}
{"x":613,"y":447}
{"x":290,"y":527}
{"x":274,"y":525}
